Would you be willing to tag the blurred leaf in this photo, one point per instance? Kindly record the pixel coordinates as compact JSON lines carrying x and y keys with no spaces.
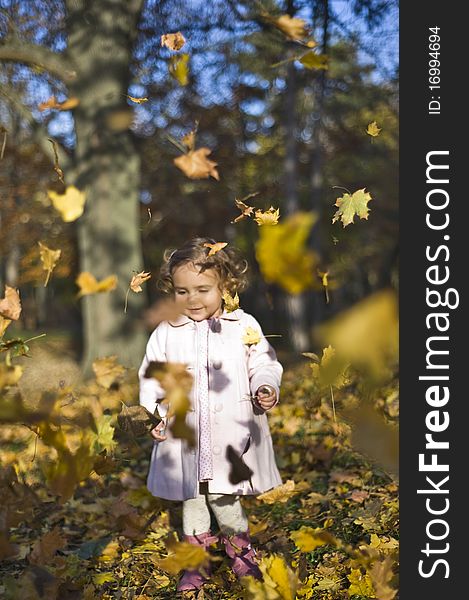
{"x":292,"y":27}
{"x":360,"y":584}
{"x":108,"y":371}
{"x":280,"y":582}
{"x":231,"y":303}
{"x":137,"y":420}
{"x":49,"y":259}
{"x":196,"y":165}
{"x":179,"y":68}
{"x":89,"y":285}
{"x":373,"y":129}
{"x":183,"y":556}
{"x":52,"y":103}
{"x":10,"y":306}
{"x":69,"y":204}
{"x":284,"y":256}
{"x":311,"y":60}
{"x":308,"y":539}
{"x":9,"y":375}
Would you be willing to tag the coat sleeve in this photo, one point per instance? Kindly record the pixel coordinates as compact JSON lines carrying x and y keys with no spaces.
{"x":150,"y":389}
{"x":263,"y":366}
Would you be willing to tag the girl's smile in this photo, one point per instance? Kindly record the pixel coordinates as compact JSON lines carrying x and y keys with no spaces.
{"x":197,"y":295}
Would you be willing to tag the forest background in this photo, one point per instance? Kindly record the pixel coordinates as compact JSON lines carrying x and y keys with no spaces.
{"x":117,"y":144}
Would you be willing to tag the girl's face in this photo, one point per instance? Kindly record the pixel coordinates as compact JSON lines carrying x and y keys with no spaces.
{"x":197,"y":295}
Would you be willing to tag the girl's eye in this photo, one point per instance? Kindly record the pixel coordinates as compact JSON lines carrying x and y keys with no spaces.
{"x":203,"y":291}
{"x":180,"y":292}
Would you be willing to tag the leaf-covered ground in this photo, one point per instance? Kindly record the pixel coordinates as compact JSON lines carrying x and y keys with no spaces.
{"x":331,"y":532}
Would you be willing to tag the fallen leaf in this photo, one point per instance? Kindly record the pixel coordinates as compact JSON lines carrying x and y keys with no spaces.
{"x":281,"y":493}
{"x":308,"y":539}
{"x":373,"y":129}
{"x":178,"y":67}
{"x":49,"y":259}
{"x":196,"y":165}
{"x":360,"y":584}
{"x":10,"y":306}
{"x":173,"y":41}
{"x":351,"y":205}
{"x":214,"y":248}
{"x":70,"y":204}
{"x":46,"y":546}
{"x":268,"y":217}
{"x":89,"y":285}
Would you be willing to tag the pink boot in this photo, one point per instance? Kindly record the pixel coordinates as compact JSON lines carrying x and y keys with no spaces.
{"x":193,"y":579}
{"x":242,"y":554}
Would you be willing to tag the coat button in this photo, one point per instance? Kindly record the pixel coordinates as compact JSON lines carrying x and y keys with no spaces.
{"x":216,"y":364}
{"x":216,"y":449}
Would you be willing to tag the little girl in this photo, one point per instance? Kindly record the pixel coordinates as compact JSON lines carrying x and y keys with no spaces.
{"x":235,"y":381}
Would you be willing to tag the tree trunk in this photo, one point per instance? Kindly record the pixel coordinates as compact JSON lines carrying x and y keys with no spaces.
{"x":107,"y":169}
{"x":295,"y":305}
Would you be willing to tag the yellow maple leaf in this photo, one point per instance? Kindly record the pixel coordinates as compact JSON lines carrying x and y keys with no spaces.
{"x":49,"y":259}
{"x":281,"y":493}
{"x":309,"y":538}
{"x":179,"y":68}
{"x":231,"y":303}
{"x":196,"y":165}
{"x":283,"y":255}
{"x":89,"y":285}
{"x":9,"y":374}
{"x":251,"y":336}
{"x":70,"y":204}
{"x":268,"y":217}
{"x":10,"y":306}
{"x":331,"y":371}
{"x":184,"y":556}
{"x":3,"y":325}
{"x":280,"y":582}
{"x":373,"y":129}
{"x":214,"y":248}
{"x":292,"y":27}
{"x":351,"y":205}
{"x":311,"y":60}
{"x":108,"y":371}
{"x":102,"y":578}
{"x":360,"y":584}
{"x":173,"y":41}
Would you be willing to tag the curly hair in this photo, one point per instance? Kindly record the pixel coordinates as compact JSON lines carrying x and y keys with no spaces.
{"x":227,"y":263}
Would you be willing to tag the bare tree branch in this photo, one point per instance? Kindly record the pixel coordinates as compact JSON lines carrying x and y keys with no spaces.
{"x":34,"y":54}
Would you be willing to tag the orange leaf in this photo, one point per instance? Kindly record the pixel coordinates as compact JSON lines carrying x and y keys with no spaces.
{"x":52,"y":103}
{"x":10,"y":306}
{"x":196,"y":165}
{"x":214,"y":248}
{"x":89,"y":285}
{"x":137,"y":280}
{"x":173,"y":41}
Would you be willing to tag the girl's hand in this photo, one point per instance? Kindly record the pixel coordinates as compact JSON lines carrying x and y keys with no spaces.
{"x":266,"y":397}
{"x":157,"y":433}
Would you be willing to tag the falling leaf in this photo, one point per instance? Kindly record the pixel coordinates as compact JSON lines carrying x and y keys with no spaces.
{"x":137,"y":100}
{"x":4,"y":323}
{"x":89,"y":285}
{"x":110,"y":552}
{"x":246,"y":211}
{"x":373,"y":129}
{"x":173,"y":41}
{"x":179,"y":68}
{"x":331,"y":371}
{"x":251,"y":336}
{"x":381,"y":574}
{"x":308,"y":539}
{"x":231,"y":303}
{"x":351,"y":205}
{"x":214,"y":248}
{"x":282,"y":493}
{"x":311,"y":60}
{"x":137,"y":420}
{"x":52,"y":103}
{"x":292,"y":27}
{"x":137,"y":280}
{"x":189,"y":141}
{"x":57,"y":168}
{"x":184,"y":556}
{"x":108,"y":371}
{"x":280,"y":582}
{"x":10,"y":306}
{"x":49,"y":259}
{"x":283,"y":254}
{"x":196,"y":165}
{"x":360,"y":584}
{"x":268,"y":217}
{"x":9,"y":374}
{"x":70,"y":204}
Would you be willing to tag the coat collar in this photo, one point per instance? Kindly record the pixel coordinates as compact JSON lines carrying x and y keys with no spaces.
{"x":229,"y":316}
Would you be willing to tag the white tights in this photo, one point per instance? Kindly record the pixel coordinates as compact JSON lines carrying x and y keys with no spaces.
{"x":227,"y":509}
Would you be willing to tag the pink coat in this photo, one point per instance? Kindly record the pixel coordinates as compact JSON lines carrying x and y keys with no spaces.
{"x":236,"y":371}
